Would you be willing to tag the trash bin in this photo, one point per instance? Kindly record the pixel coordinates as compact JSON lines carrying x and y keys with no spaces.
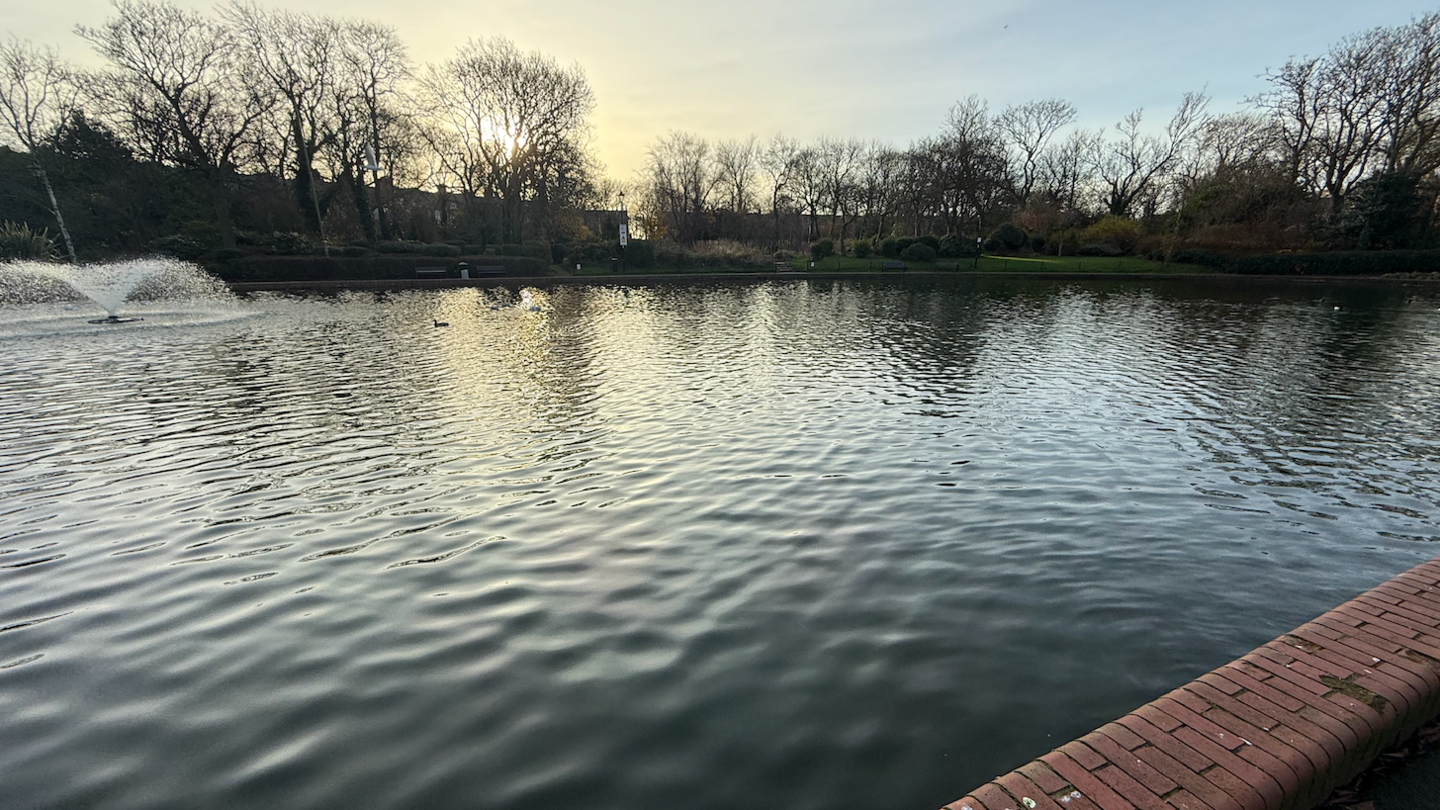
{"x":464,"y":269}
{"x":614,"y":264}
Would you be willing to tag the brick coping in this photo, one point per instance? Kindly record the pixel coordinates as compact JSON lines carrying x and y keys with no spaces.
{"x":1276,"y":729}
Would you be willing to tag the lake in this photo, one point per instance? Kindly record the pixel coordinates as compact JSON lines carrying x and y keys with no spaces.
{"x":779,"y":544}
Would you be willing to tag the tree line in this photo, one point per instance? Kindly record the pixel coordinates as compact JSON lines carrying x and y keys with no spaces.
{"x":1338,"y":150}
{"x":250,"y":124}
{"x":285,"y":121}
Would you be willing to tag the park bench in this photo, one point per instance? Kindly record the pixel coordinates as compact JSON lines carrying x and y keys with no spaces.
{"x":488,"y":270}
{"x":431,"y":272}
{"x":892,"y":265}
{"x":786,"y":267}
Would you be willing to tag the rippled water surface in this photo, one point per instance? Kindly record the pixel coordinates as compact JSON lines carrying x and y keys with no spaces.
{"x":775,"y":545}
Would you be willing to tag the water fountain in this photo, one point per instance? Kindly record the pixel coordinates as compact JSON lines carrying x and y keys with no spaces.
{"x":110,"y":285}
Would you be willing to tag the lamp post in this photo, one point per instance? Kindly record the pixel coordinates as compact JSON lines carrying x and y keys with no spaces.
{"x":372,"y":165}
{"x":624,"y":230}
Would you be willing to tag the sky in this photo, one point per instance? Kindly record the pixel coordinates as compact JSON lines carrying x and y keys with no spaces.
{"x":845,"y":68}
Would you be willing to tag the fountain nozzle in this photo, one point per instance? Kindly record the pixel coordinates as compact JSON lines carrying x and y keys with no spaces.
{"x":116,"y":319}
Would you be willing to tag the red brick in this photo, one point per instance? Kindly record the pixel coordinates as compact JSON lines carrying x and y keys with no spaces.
{"x":1315,"y":665}
{"x":1426,"y":594}
{"x":1255,"y":672}
{"x":1227,"y":687}
{"x":1126,"y":786}
{"x":1021,"y":788}
{"x":1280,"y":669}
{"x":1295,"y":756}
{"x":1243,"y":791}
{"x":1161,"y":739}
{"x":1207,"y":691}
{"x":1423,"y":578}
{"x":1300,"y":687}
{"x":1405,"y":650}
{"x":1086,"y":783}
{"x":1424,"y":679}
{"x":1292,"y":780}
{"x":1326,"y":718}
{"x":1157,"y":718}
{"x":1268,"y":786}
{"x":1236,"y":677}
{"x":965,"y":803}
{"x":1420,"y":621}
{"x":1075,"y":800}
{"x":1214,"y":796}
{"x":1381,"y":631}
{"x":993,"y":797}
{"x":1083,"y":755}
{"x":1153,"y":780}
{"x":1182,"y":800}
{"x":1040,"y":773}
{"x":1409,"y":601}
{"x":1320,"y":753}
{"x":1355,"y":614}
{"x":1127,"y":739}
{"x":1419,"y":632}
{"x":1190,"y":700}
{"x":1182,"y":713}
{"x":1264,"y":731}
{"x":1403,"y":688}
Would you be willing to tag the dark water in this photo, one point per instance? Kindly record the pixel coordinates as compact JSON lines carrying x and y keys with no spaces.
{"x":781,"y":545}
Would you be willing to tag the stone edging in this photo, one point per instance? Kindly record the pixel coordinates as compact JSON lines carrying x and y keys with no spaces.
{"x":1277,"y":729}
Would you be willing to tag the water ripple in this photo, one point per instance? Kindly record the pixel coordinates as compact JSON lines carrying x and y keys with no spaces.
{"x":801,"y":544}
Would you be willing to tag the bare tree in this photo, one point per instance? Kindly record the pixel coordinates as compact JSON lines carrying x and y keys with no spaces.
{"x":1132,"y":165}
{"x":737,"y":163}
{"x":737,"y":166}
{"x":369,"y":131}
{"x":811,"y":190}
{"x":1028,"y":129}
{"x":1237,"y":140}
{"x":37,"y":97}
{"x":1066,"y":169}
{"x":881,"y":171}
{"x":297,"y":58}
{"x":967,"y":167}
{"x":174,"y":85}
{"x":839,"y":167}
{"x":778,"y":161}
{"x":511,"y":118}
{"x":1329,"y":110}
{"x":1410,"y":96}
{"x":681,"y":177}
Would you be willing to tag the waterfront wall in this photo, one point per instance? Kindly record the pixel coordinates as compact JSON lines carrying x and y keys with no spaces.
{"x":1277,"y":729}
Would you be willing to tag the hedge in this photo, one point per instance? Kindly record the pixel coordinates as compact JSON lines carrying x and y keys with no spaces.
{"x":1339,"y":263}
{"x":319,"y":268}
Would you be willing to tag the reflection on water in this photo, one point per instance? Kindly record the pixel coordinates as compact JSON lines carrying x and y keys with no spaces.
{"x":801,"y":545}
